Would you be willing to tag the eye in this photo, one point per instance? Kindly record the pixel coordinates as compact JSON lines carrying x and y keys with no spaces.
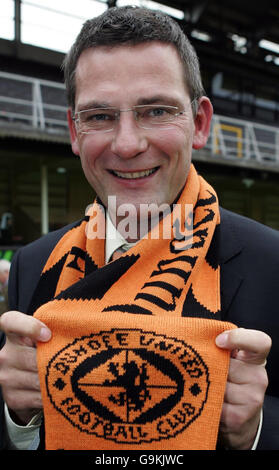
{"x":158,"y":112}
{"x":97,"y":115}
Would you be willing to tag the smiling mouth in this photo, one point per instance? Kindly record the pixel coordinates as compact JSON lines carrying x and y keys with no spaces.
{"x":134,"y":174}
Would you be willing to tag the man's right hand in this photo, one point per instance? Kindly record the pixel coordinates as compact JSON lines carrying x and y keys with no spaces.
{"x":18,"y":364}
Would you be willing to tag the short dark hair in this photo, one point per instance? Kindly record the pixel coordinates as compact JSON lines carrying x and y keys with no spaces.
{"x":133,"y":25}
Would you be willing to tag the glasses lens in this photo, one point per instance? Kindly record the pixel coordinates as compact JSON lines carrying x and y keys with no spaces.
{"x":98,"y":119}
{"x":155,"y":115}
{"x":148,"y":116}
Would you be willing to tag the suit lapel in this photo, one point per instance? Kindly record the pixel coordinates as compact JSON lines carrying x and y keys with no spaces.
{"x":230,"y":260}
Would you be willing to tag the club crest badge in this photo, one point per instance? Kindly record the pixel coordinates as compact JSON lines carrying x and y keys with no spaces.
{"x":128,"y":385}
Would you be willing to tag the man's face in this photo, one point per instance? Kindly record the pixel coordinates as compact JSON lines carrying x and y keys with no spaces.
{"x":138,"y":166}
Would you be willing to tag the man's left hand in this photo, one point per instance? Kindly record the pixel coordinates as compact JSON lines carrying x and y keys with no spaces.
{"x":246,"y":386}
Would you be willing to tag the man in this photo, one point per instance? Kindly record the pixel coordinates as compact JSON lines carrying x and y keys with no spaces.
{"x":4,"y":279}
{"x":137,"y":108}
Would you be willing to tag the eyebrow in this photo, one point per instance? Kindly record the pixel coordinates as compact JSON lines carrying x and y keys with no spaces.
{"x":163,"y":99}
{"x":93,"y":104}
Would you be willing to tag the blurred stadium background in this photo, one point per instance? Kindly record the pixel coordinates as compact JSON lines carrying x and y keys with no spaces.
{"x":41,"y":183}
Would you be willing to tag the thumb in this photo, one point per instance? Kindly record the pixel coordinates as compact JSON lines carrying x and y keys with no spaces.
{"x":247,"y":345}
{"x":23,"y":329}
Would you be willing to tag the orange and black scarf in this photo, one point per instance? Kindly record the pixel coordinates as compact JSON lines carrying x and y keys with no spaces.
{"x":132,"y":363}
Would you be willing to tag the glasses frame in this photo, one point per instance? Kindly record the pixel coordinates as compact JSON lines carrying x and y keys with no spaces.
{"x":76,"y":116}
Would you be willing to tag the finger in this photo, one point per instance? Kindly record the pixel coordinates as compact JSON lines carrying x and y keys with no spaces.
{"x":21,"y":400}
{"x":253,"y":346}
{"x":20,"y":380}
{"x":230,"y":415}
{"x":18,"y":358}
{"x":236,"y":395}
{"x":244,"y":395}
{"x":17,"y":325}
{"x":26,"y":359}
{"x":241,"y":372}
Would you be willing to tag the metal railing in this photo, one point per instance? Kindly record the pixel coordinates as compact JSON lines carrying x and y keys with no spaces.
{"x":239,"y":139}
{"x":32,"y":102}
{"x":41,"y":104}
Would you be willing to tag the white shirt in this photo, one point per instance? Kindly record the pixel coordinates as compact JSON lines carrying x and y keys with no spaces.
{"x":114,"y":240}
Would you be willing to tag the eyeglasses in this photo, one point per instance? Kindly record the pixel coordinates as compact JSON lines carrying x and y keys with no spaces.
{"x":147,"y":117}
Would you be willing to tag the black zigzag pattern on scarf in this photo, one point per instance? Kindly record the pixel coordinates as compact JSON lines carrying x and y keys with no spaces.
{"x":192,"y":308}
{"x":205,"y":202}
{"x":95,"y":285}
{"x":212,"y":256}
{"x":46,"y":287}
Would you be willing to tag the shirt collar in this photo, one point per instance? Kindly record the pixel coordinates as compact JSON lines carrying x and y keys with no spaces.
{"x":114,"y":239}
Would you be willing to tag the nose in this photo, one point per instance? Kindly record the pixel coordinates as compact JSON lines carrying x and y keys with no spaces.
{"x":128,"y":139}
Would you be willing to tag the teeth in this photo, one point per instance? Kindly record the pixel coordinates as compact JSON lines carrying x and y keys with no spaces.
{"x":135,"y":174}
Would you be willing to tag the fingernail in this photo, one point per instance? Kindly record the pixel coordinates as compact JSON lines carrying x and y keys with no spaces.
{"x":45,"y":334}
{"x":221,"y":340}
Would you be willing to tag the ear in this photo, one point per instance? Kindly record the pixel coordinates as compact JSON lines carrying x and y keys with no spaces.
{"x":73,"y":132}
{"x":202,"y":122}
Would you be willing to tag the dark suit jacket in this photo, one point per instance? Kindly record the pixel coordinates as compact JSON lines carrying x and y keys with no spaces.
{"x":249,"y":293}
